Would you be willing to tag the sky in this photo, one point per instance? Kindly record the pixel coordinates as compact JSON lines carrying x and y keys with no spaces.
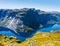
{"x":46,"y":5}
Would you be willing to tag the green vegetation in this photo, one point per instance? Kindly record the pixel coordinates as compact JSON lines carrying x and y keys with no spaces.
{"x":28,"y":29}
{"x":25,"y":28}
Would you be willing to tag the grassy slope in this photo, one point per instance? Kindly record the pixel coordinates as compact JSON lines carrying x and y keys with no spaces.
{"x":39,"y":39}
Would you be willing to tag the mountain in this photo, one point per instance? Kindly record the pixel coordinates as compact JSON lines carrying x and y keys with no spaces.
{"x":27,"y":21}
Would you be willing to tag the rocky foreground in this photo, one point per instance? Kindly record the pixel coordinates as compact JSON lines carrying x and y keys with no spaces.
{"x":39,"y":39}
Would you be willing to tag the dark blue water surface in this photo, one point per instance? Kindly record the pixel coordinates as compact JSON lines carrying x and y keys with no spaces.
{"x":9,"y":32}
{"x":23,"y":36}
{"x":50,"y":29}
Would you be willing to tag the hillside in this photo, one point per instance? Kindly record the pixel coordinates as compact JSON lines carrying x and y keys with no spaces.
{"x":43,"y":39}
{"x":27,"y":21}
{"x":39,"y":39}
{"x":18,"y":19}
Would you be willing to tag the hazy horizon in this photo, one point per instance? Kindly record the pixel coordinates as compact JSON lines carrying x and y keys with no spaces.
{"x":45,"y":5}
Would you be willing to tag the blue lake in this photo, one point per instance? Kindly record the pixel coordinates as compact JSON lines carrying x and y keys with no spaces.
{"x":8,"y":32}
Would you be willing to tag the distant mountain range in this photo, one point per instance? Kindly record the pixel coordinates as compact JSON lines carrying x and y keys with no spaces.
{"x":27,"y":19}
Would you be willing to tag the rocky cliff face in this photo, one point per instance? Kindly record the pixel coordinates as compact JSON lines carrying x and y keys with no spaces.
{"x":27,"y":20}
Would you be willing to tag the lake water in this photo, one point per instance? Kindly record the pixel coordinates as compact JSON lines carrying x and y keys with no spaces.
{"x":8,"y":32}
